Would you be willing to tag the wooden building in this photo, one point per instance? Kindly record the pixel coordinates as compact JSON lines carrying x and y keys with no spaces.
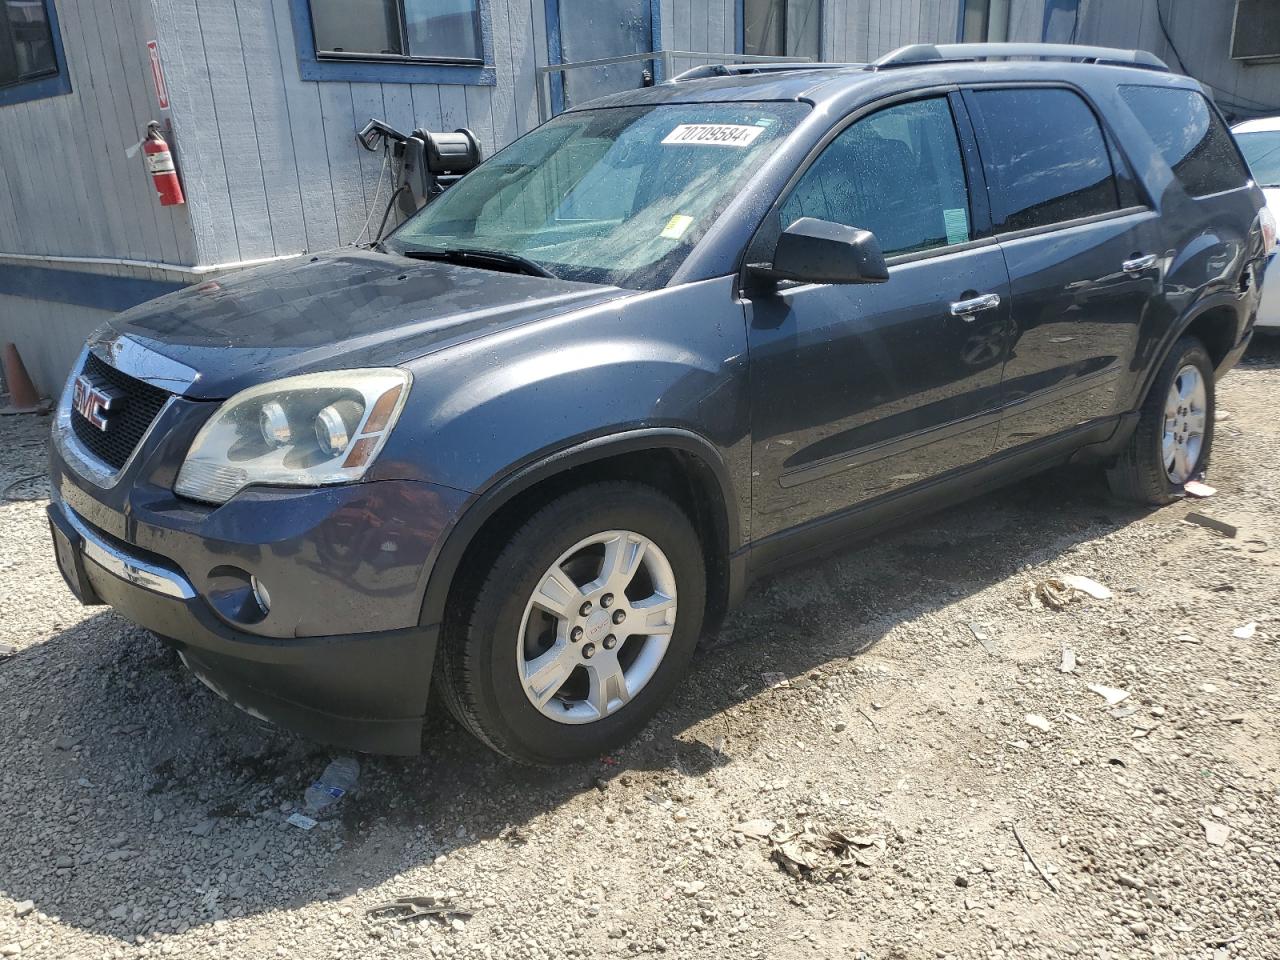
{"x":260,"y":100}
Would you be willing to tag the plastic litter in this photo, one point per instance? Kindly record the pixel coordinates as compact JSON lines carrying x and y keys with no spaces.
{"x":1240,"y":633}
{"x":1221,"y":526}
{"x":1112,"y":695}
{"x":301,"y":821}
{"x":1199,"y":490}
{"x":339,"y":779}
{"x":1092,"y":587}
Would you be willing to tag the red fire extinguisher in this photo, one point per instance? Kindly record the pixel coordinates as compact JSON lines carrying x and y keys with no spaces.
{"x":160,"y":165}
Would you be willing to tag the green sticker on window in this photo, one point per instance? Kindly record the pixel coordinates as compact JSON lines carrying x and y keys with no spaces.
{"x":956,"y":220}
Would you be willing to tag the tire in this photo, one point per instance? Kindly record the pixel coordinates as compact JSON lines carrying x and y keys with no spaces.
{"x":495,"y":630}
{"x":1140,"y":474}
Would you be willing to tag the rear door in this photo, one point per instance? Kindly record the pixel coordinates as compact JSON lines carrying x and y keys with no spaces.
{"x":862,"y":390}
{"x":1083,"y":251}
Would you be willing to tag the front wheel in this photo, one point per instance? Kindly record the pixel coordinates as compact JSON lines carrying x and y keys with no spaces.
{"x":1174,"y":435}
{"x":585,"y":622}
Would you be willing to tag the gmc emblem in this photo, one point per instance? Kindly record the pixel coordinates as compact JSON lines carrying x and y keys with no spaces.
{"x":94,"y":401}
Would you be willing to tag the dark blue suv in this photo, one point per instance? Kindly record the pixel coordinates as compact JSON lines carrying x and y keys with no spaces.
{"x":534,"y":444}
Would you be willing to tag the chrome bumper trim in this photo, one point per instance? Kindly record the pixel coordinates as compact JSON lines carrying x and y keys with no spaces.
{"x":116,"y":562}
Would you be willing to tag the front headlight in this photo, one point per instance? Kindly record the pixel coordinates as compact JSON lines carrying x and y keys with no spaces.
{"x":303,"y":431}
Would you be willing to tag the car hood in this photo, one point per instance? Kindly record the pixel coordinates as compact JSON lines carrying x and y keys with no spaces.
{"x":335,"y":311}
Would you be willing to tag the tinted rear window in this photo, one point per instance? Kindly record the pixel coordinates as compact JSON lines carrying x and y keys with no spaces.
{"x":1045,"y":157}
{"x":1189,"y":135}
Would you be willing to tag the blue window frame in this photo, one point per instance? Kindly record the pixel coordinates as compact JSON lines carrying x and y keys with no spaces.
{"x":32,"y":62}
{"x":410,"y":46}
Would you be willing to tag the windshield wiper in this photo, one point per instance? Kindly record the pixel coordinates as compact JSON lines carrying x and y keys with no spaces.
{"x":493,"y":259}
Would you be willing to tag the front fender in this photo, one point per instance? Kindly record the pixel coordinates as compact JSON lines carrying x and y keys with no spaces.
{"x":661,"y":369}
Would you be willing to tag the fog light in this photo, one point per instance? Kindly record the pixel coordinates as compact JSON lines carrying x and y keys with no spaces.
{"x":260,"y":594}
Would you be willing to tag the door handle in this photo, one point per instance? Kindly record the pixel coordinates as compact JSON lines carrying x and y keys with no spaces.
{"x":1138,"y":264}
{"x":967,"y":308}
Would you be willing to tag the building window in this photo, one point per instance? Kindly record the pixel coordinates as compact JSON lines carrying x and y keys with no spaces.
{"x":31,"y":64}
{"x":782,"y":28}
{"x":394,"y":41}
{"x":444,"y":31}
{"x":983,"y":21}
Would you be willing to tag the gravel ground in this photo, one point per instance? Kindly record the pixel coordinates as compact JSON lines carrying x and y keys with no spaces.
{"x":907,"y":695}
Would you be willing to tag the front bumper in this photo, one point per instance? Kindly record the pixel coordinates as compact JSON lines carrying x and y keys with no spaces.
{"x":365,"y":691}
{"x":341,"y":656}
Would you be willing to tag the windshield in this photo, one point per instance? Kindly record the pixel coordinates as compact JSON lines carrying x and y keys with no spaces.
{"x":1262,"y":152}
{"x":617,"y":196}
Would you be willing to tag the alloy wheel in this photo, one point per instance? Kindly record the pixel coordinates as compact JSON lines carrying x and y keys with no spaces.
{"x":597,"y":627}
{"x":1185,"y":420}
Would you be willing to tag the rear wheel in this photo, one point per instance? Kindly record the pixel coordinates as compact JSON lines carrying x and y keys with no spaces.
{"x":1174,"y":436}
{"x":581,"y":628}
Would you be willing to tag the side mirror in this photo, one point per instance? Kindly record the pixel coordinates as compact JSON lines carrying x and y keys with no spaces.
{"x":819,"y":251}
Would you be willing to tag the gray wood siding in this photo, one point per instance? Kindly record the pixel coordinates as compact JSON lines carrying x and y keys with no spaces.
{"x":274,"y":168}
{"x":49,"y":337}
{"x":852,"y":30}
{"x":66,"y":186}
{"x":1201,"y":35}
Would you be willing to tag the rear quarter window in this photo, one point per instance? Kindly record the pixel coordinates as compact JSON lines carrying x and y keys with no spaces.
{"x":1190,"y":136}
{"x":1045,"y":155}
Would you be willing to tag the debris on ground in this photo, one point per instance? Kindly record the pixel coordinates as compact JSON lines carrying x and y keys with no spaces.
{"x":404,"y":909}
{"x":1201,"y":491}
{"x":1246,"y":632}
{"x":339,"y":779}
{"x":1068,"y":664}
{"x":301,"y":821}
{"x":1044,"y":875}
{"x":1212,"y":523}
{"x":756,"y":829}
{"x":819,"y":854}
{"x":1215,"y":834}
{"x":1112,"y":695}
{"x":1039,"y":722}
{"x":775,"y":680}
{"x":980,"y":634}
{"x":7,"y":650}
{"x":1057,"y":592}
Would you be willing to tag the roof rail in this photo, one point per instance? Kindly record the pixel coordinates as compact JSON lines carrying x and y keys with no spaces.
{"x":763,"y":66}
{"x":921,"y":53}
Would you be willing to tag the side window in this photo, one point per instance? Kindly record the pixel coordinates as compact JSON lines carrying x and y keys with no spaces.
{"x":1189,"y":135}
{"x":1045,"y":157}
{"x":897,"y":173}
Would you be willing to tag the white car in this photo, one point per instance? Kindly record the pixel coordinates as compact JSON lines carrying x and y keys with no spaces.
{"x":1260,"y":143}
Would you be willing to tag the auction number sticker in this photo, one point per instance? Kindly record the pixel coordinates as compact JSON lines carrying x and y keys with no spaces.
{"x":713,"y":135}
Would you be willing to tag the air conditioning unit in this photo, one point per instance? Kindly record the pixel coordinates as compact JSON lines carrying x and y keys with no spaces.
{"x":1255,"y":38}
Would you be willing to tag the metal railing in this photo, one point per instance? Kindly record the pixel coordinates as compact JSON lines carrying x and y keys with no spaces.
{"x":663,"y":69}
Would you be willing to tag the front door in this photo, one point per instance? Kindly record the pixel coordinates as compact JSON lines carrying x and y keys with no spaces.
{"x":1083,"y":256}
{"x":590,"y":30}
{"x":860,"y":391}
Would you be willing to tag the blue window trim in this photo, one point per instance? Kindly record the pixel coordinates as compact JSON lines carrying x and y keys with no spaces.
{"x":312,"y":67}
{"x":555,"y":48}
{"x":54,"y":85}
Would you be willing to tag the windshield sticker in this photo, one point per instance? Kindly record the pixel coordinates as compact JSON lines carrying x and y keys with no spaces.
{"x":956,"y":220}
{"x":713,"y":135}
{"x":676,"y":227}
